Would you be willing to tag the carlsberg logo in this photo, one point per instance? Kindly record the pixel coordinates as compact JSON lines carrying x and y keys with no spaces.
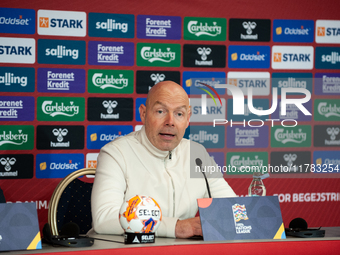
{"x":236,"y":161}
{"x":109,"y":81}
{"x":152,"y":55}
{"x":328,"y":110}
{"x":10,"y":137}
{"x":199,"y":29}
{"x":284,"y":136}
{"x":54,"y":108}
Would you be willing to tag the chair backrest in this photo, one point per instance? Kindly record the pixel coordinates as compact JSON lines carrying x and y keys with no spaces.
{"x":71,"y":202}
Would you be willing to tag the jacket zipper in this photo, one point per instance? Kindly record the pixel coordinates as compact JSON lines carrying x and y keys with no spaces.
{"x":172,"y":184}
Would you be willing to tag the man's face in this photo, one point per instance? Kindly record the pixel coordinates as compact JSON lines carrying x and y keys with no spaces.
{"x":165,"y":118}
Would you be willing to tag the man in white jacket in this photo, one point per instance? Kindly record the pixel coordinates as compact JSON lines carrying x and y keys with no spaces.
{"x":156,"y":162}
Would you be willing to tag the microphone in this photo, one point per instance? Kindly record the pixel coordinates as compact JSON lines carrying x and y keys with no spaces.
{"x":199,"y":163}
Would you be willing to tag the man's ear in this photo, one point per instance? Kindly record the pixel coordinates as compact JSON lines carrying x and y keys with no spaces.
{"x":142,"y":113}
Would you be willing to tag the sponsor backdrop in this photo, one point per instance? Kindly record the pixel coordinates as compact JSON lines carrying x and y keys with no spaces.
{"x":73,"y":74}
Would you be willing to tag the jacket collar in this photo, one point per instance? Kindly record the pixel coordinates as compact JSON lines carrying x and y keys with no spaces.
{"x":144,"y":140}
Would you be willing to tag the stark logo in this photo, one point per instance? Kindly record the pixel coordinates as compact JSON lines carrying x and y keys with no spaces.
{"x":44,"y":22}
{"x":321,"y":31}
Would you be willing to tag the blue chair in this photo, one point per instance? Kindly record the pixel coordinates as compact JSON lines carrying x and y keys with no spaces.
{"x":71,"y":202}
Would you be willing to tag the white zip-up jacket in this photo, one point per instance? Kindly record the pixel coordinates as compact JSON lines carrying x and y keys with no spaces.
{"x":131,"y":165}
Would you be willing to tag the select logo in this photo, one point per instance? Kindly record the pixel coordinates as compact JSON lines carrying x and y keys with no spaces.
{"x":292,"y":57}
{"x":247,"y":137}
{"x":16,"y":166}
{"x":61,"y":80}
{"x":327,"y":136}
{"x":327,"y":109}
{"x":327,"y":57}
{"x":208,"y":136}
{"x":293,"y":30}
{"x":17,"y":21}
{"x":327,"y":84}
{"x":158,"y":54}
{"x":291,"y":161}
{"x":14,"y":108}
{"x":61,"y":23}
{"x":249,"y":30}
{"x":17,"y":79}
{"x":111,"y":53}
{"x":109,"y":109}
{"x":98,"y":136}
{"x":159,"y":27}
{"x":204,"y":55}
{"x":292,"y":80}
{"x":242,"y":160}
{"x":60,"y":108}
{"x":17,"y":50}
{"x":299,"y":136}
{"x":60,"y":137}
{"x":61,"y":52}
{"x":145,"y":80}
{"x":57,"y":165}
{"x":193,"y":81}
{"x":248,"y":56}
{"x":110,"y":81}
{"x":111,"y":25}
{"x":212,"y":111}
{"x":205,"y":29}
{"x":18,"y":137}
{"x":327,"y":31}
{"x":258,"y":81}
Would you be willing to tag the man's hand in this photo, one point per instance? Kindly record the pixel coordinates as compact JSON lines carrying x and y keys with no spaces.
{"x":188,"y":228}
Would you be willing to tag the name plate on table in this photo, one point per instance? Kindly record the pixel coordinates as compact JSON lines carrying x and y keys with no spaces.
{"x":19,"y":227}
{"x":239,"y":218}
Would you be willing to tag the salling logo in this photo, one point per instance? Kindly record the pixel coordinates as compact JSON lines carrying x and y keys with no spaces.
{"x":54,"y":109}
{"x":62,"y":51}
{"x":239,"y":162}
{"x":109,"y":82}
{"x":109,"y":54}
{"x":110,"y":105}
{"x":59,"y":81}
{"x":204,"y":52}
{"x":204,"y":136}
{"x":291,"y":82}
{"x":9,"y":109}
{"x":285,"y":136}
{"x":157,"y":77}
{"x":328,"y":110}
{"x":9,"y":79}
{"x":8,"y":163}
{"x":154,"y":55}
{"x":249,"y":26}
{"x":111,"y":25}
{"x":240,"y":213}
{"x":333,"y":58}
{"x":290,"y":159}
{"x":332,"y":132}
{"x":60,"y":134}
{"x":246,"y":137}
{"x":18,"y":138}
{"x":199,"y":29}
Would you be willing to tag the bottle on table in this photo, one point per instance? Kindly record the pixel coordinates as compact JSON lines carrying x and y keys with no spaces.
{"x":256,"y":187}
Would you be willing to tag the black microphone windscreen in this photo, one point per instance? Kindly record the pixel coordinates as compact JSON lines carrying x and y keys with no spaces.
{"x":198,"y":162}
{"x":298,"y":223}
{"x":70,"y":229}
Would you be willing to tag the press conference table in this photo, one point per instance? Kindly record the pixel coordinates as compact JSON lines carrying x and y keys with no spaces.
{"x":330,"y":244}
